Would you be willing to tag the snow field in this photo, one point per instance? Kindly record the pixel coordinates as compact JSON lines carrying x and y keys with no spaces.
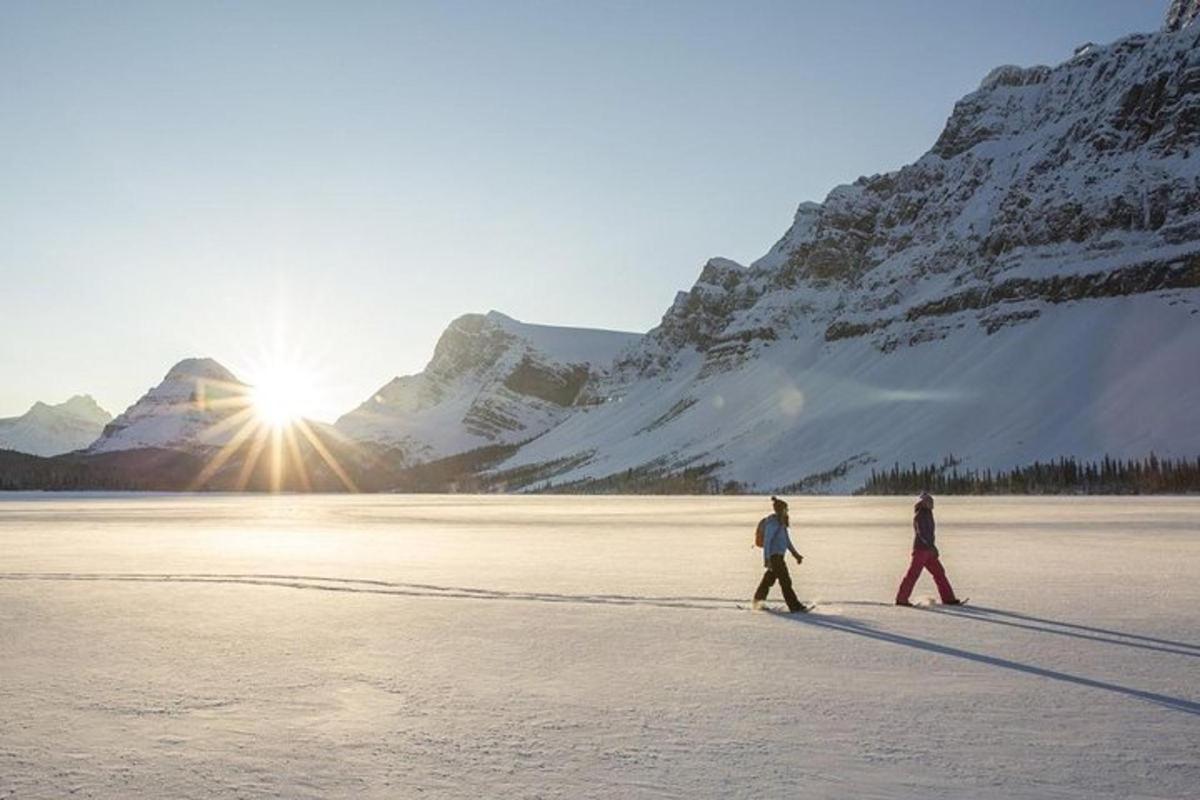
{"x":216,"y":646}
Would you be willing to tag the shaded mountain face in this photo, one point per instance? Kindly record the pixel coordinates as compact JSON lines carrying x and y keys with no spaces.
{"x":1027,"y":289}
{"x":492,"y":380}
{"x":48,"y":430}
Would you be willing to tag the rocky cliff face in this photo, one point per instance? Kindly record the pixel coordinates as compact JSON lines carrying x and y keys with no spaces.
{"x":492,"y":380}
{"x":1180,"y":14}
{"x":1046,"y":185}
{"x":1054,"y":223}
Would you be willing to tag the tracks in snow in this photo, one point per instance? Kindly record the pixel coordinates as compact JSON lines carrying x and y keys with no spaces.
{"x":379,"y":587}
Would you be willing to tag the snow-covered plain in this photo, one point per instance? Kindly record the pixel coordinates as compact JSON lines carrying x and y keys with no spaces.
{"x":557,"y":647}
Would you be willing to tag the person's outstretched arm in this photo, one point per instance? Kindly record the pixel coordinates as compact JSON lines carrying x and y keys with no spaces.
{"x":799,"y":558}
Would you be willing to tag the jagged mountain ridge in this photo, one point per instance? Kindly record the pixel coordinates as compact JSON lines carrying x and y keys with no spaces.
{"x":47,"y":430}
{"x":1027,"y":289}
{"x":492,"y":380}
{"x":1043,"y":181}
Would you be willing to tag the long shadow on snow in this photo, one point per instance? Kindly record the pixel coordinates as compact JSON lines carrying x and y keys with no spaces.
{"x":1093,"y":634}
{"x":984,"y":613}
{"x":852,"y":627}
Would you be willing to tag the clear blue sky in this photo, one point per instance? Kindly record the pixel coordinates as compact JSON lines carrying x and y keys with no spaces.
{"x":182,"y":178}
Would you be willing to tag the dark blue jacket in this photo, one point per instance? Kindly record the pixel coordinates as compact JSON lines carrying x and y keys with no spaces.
{"x":923,"y":529}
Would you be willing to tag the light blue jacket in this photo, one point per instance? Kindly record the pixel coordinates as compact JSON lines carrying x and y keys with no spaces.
{"x":776,"y":541}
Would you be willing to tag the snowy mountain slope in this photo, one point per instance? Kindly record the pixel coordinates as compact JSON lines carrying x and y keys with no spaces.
{"x":1027,"y":289}
{"x":186,"y":411}
{"x":994,"y":401}
{"x":47,"y":430}
{"x":492,"y":380}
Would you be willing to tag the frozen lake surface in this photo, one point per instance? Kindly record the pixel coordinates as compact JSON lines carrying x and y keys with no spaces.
{"x":556,"y":647}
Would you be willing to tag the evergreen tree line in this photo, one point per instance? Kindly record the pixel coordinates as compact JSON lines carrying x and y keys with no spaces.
{"x":22,"y":472}
{"x":1150,"y":475}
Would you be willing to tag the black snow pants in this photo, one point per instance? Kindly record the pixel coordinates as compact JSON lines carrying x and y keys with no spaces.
{"x":777,"y":571}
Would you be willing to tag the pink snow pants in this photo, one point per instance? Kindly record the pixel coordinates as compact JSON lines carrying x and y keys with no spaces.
{"x":925,"y":559}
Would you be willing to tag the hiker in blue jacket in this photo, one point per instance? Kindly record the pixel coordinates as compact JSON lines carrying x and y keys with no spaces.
{"x":776,"y":543}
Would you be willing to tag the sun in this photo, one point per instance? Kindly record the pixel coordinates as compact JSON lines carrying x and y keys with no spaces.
{"x":282,"y":395}
{"x":269,"y":436}
{"x":271,"y":431}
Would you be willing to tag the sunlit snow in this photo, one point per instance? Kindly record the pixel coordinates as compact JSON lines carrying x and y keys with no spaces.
{"x":521,"y":647}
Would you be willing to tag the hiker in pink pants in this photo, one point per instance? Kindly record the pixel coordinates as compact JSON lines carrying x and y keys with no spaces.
{"x":925,"y":556}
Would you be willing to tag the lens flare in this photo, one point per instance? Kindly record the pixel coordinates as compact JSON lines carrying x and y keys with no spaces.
{"x":264,"y":435}
{"x":282,"y":394}
{"x":791,"y":401}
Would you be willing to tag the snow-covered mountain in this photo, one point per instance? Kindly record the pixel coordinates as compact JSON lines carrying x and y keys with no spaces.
{"x":196,"y":406}
{"x":1028,"y":289}
{"x":492,"y":380}
{"x":46,"y":430}
{"x":199,"y":429}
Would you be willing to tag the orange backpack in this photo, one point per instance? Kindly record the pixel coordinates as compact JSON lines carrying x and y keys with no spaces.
{"x":758,"y":532}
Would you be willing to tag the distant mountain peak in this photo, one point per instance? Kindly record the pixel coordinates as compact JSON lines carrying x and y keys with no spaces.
{"x":84,"y":405}
{"x":182,"y":412}
{"x":498,"y":316}
{"x":206,"y":368}
{"x":47,"y":430}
